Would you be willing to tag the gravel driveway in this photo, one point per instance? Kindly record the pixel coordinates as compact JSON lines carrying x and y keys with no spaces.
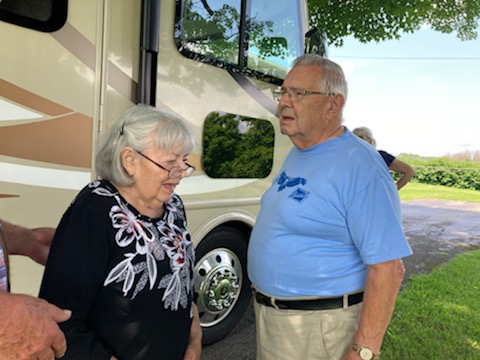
{"x":437,"y":230}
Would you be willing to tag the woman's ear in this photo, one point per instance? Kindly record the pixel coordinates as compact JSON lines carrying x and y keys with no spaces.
{"x":129,"y":160}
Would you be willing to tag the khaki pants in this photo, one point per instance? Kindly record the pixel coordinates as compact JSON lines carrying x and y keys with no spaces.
{"x":305,"y":334}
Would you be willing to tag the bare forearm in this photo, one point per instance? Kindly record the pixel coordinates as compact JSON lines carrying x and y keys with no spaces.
{"x":405,"y":179}
{"x":34,"y":243}
{"x":402,"y":168}
{"x":194,"y":348}
{"x":15,"y":237}
{"x":381,"y":290}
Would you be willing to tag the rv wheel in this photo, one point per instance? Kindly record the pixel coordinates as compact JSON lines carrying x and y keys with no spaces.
{"x":221,"y":282}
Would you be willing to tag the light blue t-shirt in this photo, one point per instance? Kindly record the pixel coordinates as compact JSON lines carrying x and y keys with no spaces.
{"x":332,"y":209}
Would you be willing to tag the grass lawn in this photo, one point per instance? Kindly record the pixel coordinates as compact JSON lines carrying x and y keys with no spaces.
{"x":437,"y":315}
{"x":424,"y":191}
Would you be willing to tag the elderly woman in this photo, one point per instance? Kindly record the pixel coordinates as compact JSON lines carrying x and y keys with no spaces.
{"x":122,"y":258}
{"x":392,"y":162}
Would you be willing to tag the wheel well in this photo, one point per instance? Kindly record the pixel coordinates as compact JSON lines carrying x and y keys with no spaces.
{"x":245,"y":229}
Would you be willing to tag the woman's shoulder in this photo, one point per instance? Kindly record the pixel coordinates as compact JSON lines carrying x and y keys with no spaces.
{"x":387,"y":157}
{"x":98,"y":187}
{"x":98,"y":191}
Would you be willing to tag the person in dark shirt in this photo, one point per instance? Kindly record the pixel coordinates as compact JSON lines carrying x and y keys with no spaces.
{"x":122,"y":258}
{"x":393,"y":163}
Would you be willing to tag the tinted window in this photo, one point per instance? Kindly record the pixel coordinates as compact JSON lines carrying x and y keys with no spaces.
{"x":43,"y":15}
{"x":257,"y":37}
{"x":237,"y":147}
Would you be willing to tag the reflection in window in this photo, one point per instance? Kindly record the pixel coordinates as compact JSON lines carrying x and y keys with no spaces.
{"x":237,"y":146}
{"x":276,"y":36}
{"x":254,"y":36}
{"x":211,"y":28}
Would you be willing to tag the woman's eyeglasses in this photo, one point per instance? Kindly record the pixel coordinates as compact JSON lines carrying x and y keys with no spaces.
{"x":175,"y":172}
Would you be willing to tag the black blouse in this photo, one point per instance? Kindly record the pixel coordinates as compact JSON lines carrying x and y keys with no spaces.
{"x":128,"y":279}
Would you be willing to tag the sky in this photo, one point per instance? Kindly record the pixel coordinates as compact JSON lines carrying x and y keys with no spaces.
{"x":419,"y":94}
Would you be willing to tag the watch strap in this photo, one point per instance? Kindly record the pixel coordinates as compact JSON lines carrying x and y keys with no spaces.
{"x":358,"y":348}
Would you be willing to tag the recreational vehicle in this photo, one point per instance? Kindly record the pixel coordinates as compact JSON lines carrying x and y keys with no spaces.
{"x":68,"y":68}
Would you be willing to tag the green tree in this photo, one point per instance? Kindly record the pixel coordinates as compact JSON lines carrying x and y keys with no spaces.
{"x":255,"y":151}
{"x":237,"y":147}
{"x":220,"y":139}
{"x":379,"y":20}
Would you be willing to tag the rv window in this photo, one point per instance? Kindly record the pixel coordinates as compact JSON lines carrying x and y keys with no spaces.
{"x":43,"y":15}
{"x":257,"y":37}
{"x":237,"y":147}
{"x":275,"y":36}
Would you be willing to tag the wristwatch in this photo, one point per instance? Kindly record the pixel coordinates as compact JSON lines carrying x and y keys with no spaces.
{"x":364,"y":352}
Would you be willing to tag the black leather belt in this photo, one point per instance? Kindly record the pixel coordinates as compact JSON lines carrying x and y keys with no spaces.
{"x":314,"y":304}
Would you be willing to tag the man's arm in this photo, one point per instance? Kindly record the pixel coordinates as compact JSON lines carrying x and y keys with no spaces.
{"x":29,"y":329}
{"x":381,"y":290}
{"x":34,"y":243}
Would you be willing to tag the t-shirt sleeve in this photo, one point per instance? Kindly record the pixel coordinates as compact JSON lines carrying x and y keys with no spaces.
{"x":375,"y":223}
{"x":387,"y":157}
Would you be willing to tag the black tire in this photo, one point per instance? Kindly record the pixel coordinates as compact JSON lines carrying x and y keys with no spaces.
{"x":221,"y":282}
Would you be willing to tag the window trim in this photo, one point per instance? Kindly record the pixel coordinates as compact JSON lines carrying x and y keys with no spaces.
{"x":55,"y":22}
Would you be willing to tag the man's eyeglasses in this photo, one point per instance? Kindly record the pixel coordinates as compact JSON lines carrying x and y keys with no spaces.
{"x":296,"y":94}
{"x":176,"y":171}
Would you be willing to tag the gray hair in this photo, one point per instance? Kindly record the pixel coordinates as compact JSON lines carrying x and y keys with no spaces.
{"x":333,"y":81}
{"x":140,"y":127}
{"x":366,"y":134}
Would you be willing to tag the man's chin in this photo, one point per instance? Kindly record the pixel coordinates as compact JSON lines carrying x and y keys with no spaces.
{"x":283,"y":129}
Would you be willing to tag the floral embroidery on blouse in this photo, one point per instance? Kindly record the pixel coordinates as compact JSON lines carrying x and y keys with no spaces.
{"x":154,"y":241}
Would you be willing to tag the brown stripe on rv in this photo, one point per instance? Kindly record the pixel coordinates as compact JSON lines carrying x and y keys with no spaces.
{"x":31,"y":100}
{"x":66,"y":140}
{"x":7,"y":196}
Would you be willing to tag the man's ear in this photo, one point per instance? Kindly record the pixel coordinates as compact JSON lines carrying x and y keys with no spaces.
{"x":336,"y":104}
{"x":129,"y":160}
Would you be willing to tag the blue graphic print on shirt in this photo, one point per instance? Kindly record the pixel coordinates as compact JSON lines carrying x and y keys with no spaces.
{"x":285,"y":181}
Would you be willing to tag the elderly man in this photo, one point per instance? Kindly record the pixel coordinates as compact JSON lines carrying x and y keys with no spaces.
{"x":325,"y":254}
